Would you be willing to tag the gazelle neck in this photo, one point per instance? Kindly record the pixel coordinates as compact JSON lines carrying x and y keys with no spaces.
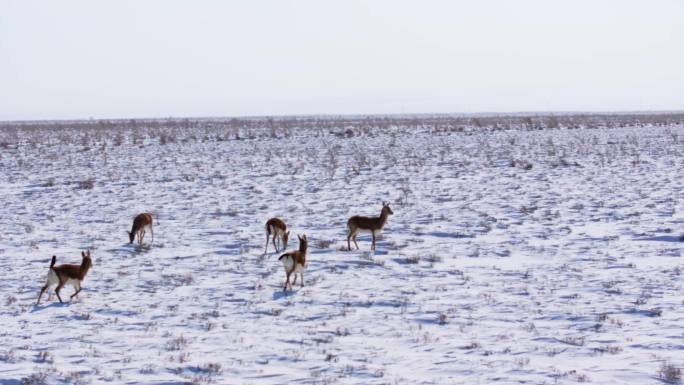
{"x":85,"y":266}
{"x":383,"y":216}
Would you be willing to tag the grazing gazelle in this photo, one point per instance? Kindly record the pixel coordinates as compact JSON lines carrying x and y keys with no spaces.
{"x":373,"y":225}
{"x":67,"y":274}
{"x":276,"y":228}
{"x":295,"y":262}
{"x":140,"y":222}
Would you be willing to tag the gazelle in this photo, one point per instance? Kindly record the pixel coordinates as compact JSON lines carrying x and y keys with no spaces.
{"x":67,"y":274}
{"x":276,"y":228}
{"x":295,"y":262}
{"x":373,"y":225}
{"x":140,"y":222}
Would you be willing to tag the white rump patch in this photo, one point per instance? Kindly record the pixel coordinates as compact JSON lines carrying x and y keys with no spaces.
{"x":288,"y":262}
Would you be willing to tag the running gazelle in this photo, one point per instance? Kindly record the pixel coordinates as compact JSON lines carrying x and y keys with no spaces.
{"x":67,"y":274}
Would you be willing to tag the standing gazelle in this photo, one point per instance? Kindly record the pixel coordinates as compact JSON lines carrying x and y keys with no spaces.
{"x":67,"y":274}
{"x":295,"y":262}
{"x":276,"y":228}
{"x":373,"y":225}
{"x":140,"y":222}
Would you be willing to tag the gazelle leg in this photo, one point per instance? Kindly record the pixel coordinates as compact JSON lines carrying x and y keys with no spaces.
{"x":41,"y":293}
{"x":348,"y":242}
{"x":77,"y":291}
{"x":373,"y":243}
{"x":287,"y":280}
{"x":302,"y":274}
{"x":266,"y":249}
{"x":142,"y":235}
{"x":357,"y":245}
{"x":59,"y":287}
{"x":152,"y":232}
{"x":294,"y":280}
{"x":274,"y":243}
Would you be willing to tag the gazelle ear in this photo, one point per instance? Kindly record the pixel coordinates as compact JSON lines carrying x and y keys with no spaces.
{"x":88,"y":253}
{"x":83,"y":254}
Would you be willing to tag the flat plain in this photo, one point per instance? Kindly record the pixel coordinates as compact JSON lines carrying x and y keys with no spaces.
{"x":545,"y":254}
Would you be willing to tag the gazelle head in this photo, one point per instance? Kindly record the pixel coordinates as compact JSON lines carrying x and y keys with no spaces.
{"x":286,"y":237}
{"x":86,"y":263}
{"x":131,"y":236}
{"x":386,"y":210}
{"x":303,"y":243}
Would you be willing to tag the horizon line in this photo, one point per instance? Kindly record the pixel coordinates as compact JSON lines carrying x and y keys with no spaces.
{"x":357,"y":115}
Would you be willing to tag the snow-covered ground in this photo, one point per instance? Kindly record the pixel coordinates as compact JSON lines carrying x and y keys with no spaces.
{"x":536,"y":257}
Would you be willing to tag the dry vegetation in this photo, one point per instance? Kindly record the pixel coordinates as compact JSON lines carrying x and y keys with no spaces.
{"x":172,"y":131}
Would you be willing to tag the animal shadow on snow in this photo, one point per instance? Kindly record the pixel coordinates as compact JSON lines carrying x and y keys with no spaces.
{"x":662,"y":238}
{"x":55,"y":303}
{"x":138,"y":249}
{"x":278,"y":294}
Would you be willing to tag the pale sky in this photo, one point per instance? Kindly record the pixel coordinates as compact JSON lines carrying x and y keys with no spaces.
{"x":161,"y":58}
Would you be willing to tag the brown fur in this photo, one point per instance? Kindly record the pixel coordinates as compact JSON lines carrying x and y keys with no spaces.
{"x":372,"y":224}
{"x":276,"y":228}
{"x":67,"y":272}
{"x":297,"y":257}
{"x":139,"y":223}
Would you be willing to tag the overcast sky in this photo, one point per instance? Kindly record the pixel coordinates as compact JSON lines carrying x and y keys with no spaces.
{"x":108,"y":59}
